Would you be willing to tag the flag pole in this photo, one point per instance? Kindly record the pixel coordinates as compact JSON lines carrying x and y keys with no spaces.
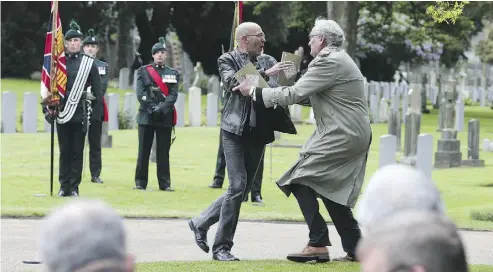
{"x":53,"y":88}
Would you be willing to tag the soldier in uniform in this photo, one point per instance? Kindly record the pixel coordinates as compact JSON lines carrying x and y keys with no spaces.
{"x":91,"y":48}
{"x":157,"y":91}
{"x":72,"y":120}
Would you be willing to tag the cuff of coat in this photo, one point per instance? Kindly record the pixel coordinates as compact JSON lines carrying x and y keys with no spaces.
{"x":258,"y":96}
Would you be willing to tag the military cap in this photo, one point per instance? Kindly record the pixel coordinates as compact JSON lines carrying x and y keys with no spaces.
{"x":158,"y":46}
{"x":74,"y":31}
{"x":91,"y":38}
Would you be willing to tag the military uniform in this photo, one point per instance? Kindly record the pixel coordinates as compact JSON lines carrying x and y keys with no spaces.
{"x":96,"y":124}
{"x":155,"y":116}
{"x":71,"y":133}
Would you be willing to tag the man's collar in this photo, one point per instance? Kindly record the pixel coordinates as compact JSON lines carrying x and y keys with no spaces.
{"x":73,"y":55}
{"x":158,"y":66}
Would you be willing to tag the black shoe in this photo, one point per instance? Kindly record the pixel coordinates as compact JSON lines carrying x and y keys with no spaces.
{"x":139,"y":188}
{"x":62,"y":194}
{"x":96,"y":180}
{"x":215,"y":185}
{"x":224,"y":256}
{"x":346,"y":258}
{"x":167,"y":189}
{"x":74,"y":194}
{"x":200,"y":237}
{"x":257,"y":200}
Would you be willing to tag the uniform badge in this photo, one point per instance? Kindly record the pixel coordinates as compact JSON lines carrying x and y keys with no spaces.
{"x":169,"y":79}
{"x":93,"y":39}
{"x":102,"y":70}
{"x":144,"y":97}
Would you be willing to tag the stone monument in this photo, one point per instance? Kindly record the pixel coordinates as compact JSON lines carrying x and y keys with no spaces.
{"x":473,"y":145}
{"x":413,"y":124}
{"x":448,"y":148}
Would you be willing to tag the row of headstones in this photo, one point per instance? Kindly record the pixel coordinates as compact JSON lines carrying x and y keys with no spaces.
{"x":31,"y":109}
{"x":423,"y":158}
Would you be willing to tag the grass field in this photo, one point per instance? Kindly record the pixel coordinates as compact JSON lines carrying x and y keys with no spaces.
{"x":25,"y":172}
{"x":268,"y":266}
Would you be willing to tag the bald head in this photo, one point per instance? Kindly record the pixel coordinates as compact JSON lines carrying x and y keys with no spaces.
{"x":393,"y":189}
{"x":81,"y":233}
{"x":250,"y":38}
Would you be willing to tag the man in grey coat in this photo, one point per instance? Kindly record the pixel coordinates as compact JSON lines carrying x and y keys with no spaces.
{"x":332,"y":162}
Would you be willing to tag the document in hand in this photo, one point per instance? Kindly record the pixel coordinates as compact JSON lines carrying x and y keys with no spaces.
{"x":250,"y":73}
{"x":287,"y":77}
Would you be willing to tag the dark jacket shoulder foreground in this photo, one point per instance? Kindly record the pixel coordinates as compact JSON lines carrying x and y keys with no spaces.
{"x":236,"y":106}
{"x":150,"y":95}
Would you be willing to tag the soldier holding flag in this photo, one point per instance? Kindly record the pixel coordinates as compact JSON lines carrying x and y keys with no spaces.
{"x":72,"y":119}
{"x":91,"y":48}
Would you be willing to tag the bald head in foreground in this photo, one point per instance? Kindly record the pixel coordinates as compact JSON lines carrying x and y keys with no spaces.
{"x":413,"y":242}
{"x":84,"y":235}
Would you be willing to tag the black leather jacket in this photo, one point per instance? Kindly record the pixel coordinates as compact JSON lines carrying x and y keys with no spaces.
{"x":236,"y":106}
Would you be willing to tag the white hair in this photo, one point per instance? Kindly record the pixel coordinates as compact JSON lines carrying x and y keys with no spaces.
{"x":243,"y":28}
{"x":80,"y":233}
{"x":330,"y":31}
{"x":396,"y":188}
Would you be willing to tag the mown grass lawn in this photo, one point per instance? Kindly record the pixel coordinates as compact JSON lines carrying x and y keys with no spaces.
{"x":267,"y":266}
{"x":25,"y":172}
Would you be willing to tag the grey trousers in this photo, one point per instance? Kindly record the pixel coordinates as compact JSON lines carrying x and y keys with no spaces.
{"x":242,"y":161}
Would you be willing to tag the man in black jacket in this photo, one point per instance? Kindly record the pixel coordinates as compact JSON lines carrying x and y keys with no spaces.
{"x":244,"y":137}
{"x":72,"y":122}
{"x":156,"y":115}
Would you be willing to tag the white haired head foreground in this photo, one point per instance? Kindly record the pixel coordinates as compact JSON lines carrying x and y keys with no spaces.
{"x":84,"y":235}
{"x":325,"y":33}
{"x":395,"y":188}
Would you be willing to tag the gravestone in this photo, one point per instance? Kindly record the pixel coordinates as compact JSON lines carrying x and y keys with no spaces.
{"x":405,"y":100}
{"x":30,"y":113}
{"x":386,"y":150}
{"x":113,"y":107}
{"x":180,"y":110}
{"x":130,"y":108}
{"x":9,"y":122}
{"x":311,"y":117}
{"x":424,"y":155}
{"x":194,"y":106}
{"x":383,"y":110}
{"x":295,"y":112}
{"x":188,"y":72}
{"x":213,"y":85}
{"x":212,"y":110}
{"x":486,"y":145}
{"x":106,"y":139}
{"x":412,"y":129}
{"x":448,"y":148}
{"x":385,"y":90}
{"x":423,"y":94}
{"x":473,"y":145}
{"x":459,"y":104}
{"x":136,"y":72}
{"x":199,"y":74}
{"x":394,"y":126}
{"x":123,"y":78}
{"x":374,"y":108}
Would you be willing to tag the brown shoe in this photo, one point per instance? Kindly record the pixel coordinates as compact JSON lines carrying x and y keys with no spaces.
{"x":346,"y":258}
{"x":310,"y":254}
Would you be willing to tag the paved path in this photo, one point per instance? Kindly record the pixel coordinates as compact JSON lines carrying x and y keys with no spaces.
{"x":167,"y":240}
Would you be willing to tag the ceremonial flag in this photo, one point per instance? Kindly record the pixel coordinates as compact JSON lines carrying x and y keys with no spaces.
{"x":54,"y":63}
{"x":237,"y":19}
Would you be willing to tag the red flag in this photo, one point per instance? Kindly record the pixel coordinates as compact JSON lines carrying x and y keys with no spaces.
{"x":54,"y":73}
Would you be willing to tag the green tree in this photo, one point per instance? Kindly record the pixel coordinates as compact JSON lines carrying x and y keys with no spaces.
{"x":484,"y":49}
{"x":443,"y":11}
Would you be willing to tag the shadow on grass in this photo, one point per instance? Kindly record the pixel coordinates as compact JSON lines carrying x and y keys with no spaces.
{"x":487,"y":185}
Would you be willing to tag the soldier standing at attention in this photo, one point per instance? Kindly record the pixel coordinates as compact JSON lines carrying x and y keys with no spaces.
{"x":72,"y":120}
{"x":157,"y":91}
{"x":91,"y":48}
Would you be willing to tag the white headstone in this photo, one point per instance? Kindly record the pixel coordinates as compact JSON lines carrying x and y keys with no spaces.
{"x":486,"y":145}
{"x":374,"y":108}
{"x":386,"y":152}
{"x":136,"y":72}
{"x":113,"y":102}
{"x":30,"y":113}
{"x":123,"y":79}
{"x":9,"y":112}
{"x":415,"y":100}
{"x":180,"y":110}
{"x":194,"y":106}
{"x":383,"y":110}
{"x":311,"y":117}
{"x":424,"y":154}
{"x":130,"y":108}
{"x":212,"y":109}
{"x":295,"y":111}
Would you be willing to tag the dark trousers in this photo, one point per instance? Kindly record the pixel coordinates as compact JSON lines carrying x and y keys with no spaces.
{"x":221,"y":167}
{"x":341,"y":215}
{"x":71,"y":139}
{"x":163,"y":143}
{"x":242,"y":159}
{"x":94,"y":135}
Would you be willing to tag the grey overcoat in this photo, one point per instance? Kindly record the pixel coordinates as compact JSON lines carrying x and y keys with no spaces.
{"x":333,"y":160}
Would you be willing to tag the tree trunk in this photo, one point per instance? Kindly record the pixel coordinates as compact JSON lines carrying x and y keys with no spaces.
{"x":125,"y":17}
{"x":346,"y":14}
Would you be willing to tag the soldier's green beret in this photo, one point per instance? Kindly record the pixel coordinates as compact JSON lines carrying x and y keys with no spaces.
{"x":91,"y":38}
{"x":74,"y":31}
{"x":158,"y":46}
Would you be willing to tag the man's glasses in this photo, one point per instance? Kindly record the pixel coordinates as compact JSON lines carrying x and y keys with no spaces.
{"x":259,"y":35}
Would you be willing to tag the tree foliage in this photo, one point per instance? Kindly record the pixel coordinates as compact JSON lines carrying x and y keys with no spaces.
{"x":484,"y":49}
{"x":443,"y":11}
